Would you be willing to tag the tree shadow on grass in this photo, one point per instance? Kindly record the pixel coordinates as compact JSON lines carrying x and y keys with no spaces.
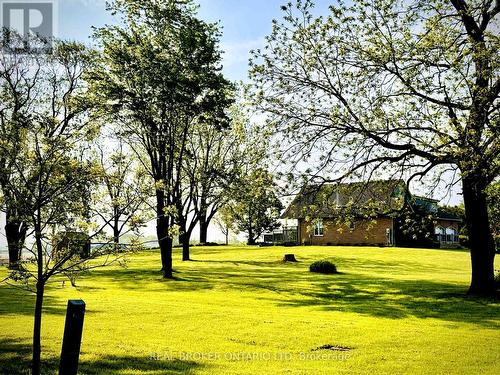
{"x":396,"y":299}
{"x":133,"y":364}
{"x":351,"y":291}
{"x":15,"y":358}
{"x":15,"y":300}
{"x":354,"y":292}
{"x":140,"y":278}
{"x":359,"y":289}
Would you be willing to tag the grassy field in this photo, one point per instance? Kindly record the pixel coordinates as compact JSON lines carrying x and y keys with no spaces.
{"x":239,"y":310}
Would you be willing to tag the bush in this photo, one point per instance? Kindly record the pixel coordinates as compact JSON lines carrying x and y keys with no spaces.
{"x":323,"y":266}
{"x":464,"y":240}
{"x":497,"y":279}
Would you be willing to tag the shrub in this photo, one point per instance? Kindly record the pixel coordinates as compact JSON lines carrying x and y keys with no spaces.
{"x":464,"y":240}
{"x":323,"y":266}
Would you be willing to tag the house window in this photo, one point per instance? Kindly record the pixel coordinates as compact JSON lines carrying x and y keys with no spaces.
{"x":318,"y":228}
{"x":451,"y":235}
{"x":440,"y":234}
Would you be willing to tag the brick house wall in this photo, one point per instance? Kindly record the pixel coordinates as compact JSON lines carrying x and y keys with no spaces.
{"x":365,"y":232}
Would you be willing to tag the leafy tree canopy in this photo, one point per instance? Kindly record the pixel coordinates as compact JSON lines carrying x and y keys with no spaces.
{"x":391,"y":88}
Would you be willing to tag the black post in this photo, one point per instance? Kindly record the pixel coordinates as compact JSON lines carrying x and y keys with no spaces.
{"x":72,"y":337}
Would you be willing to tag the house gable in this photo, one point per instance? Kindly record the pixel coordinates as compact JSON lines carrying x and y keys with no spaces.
{"x":359,"y":199}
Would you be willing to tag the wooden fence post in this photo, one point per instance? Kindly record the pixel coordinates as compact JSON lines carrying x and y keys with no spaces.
{"x":72,"y":337}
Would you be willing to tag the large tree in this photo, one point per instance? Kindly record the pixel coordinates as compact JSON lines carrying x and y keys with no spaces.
{"x":18,"y":77}
{"x":161,"y":73}
{"x":214,"y":160}
{"x":122,"y":197}
{"x":388,"y":86}
{"x":215,"y":157}
{"x":224,"y":222}
{"x":254,"y":206}
{"x":51,"y":172}
{"x":206,"y":166}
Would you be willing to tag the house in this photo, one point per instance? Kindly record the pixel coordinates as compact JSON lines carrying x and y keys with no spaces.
{"x":378,"y":212}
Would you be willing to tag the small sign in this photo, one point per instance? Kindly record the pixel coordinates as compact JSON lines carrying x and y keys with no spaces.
{"x":34,"y":22}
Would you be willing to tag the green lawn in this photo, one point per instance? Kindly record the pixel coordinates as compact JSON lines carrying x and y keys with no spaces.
{"x":238,"y":310}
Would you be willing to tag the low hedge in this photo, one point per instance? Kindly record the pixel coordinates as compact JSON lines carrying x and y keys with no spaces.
{"x":323,"y":266}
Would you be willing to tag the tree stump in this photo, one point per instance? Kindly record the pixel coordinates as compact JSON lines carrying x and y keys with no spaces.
{"x":289,"y":258}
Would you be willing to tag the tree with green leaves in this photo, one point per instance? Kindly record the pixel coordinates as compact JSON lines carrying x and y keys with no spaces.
{"x":50,"y":175}
{"x":211,"y":170}
{"x":161,"y":75}
{"x":406,"y":89}
{"x":224,"y":222}
{"x":254,"y":207}
{"x":122,"y":197}
{"x":494,"y":209}
{"x":214,"y":159}
{"x":17,"y":106}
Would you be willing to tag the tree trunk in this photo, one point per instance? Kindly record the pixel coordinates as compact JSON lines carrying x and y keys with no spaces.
{"x":203,"y":223}
{"x":40,"y":286}
{"x":165,"y":244}
{"x":184,"y":239}
{"x":481,"y":243}
{"x":185,"y":251}
{"x":116,"y":236}
{"x":162,"y":232}
{"x":251,"y":240}
{"x":116,"y":228}
{"x":185,"y":235}
{"x":37,"y":349}
{"x":227,"y":237}
{"x":166,"y":250}
{"x":15,"y":234}
{"x":203,"y":230}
